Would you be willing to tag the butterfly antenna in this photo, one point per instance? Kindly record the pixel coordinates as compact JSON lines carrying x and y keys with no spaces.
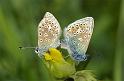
{"x":27,"y":47}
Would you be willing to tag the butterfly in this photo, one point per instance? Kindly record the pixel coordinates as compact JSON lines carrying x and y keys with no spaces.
{"x":77,"y":36}
{"x":49,"y":32}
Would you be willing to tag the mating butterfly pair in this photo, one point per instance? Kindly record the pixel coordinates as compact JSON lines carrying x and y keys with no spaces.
{"x":76,"y":36}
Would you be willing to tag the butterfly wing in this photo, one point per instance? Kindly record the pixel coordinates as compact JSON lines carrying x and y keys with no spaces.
{"x":77,"y":37}
{"x":49,"y":32}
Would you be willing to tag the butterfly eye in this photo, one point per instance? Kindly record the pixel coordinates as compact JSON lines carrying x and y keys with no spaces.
{"x":36,"y":50}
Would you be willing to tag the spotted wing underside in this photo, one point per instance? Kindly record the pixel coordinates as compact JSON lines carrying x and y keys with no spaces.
{"x":78,"y":34}
{"x":48,"y":33}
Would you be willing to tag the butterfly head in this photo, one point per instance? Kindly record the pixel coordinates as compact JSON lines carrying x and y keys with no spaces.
{"x":39,"y":51}
{"x":36,"y":50}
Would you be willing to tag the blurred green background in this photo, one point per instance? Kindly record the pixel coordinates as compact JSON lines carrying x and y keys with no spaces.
{"x":18,"y":27}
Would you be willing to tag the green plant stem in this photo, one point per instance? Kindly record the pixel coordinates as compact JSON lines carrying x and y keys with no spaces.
{"x":119,"y":47}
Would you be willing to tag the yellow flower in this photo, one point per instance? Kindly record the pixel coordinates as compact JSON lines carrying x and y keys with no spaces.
{"x":57,"y":64}
{"x":54,"y":55}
